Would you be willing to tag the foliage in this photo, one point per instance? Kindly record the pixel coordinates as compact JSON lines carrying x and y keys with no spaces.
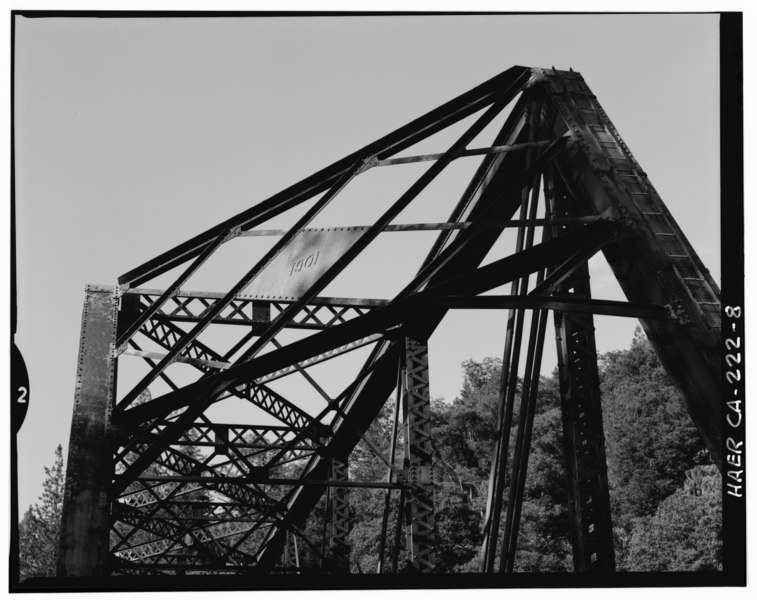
{"x":464,"y":434}
{"x":684,"y":532}
{"x":544,"y":543}
{"x":652,"y":447}
{"x":651,"y":441}
{"x":458,"y":527}
{"x":647,"y":468}
{"x":39,"y":529}
{"x":367,"y":505}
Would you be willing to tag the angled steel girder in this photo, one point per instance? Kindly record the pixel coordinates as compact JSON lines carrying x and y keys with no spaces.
{"x":170,"y":455}
{"x":583,"y":431}
{"x":657,"y":265}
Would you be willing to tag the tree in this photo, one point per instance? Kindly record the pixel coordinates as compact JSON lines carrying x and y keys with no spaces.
{"x":464,"y":430}
{"x":544,"y":540}
{"x":464,"y":435}
{"x":39,"y":530}
{"x":651,"y":444}
{"x":651,"y":440}
{"x":367,"y":505}
{"x":684,"y":532}
{"x":646,"y":461}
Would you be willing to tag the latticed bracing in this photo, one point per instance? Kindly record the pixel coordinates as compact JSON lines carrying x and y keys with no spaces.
{"x":213,"y":431}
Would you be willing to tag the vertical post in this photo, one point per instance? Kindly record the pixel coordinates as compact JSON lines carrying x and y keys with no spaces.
{"x":522,"y":448}
{"x":325,"y":532}
{"x":290,"y":559}
{"x":398,"y":530}
{"x":389,"y":472}
{"x":339,"y":549}
{"x":85,"y":522}
{"x":584,"y":441}
{"x":419,"y":515}
{"x":510,"y":362}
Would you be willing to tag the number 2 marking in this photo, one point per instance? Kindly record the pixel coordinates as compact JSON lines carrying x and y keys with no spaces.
{"x":22,"y":398}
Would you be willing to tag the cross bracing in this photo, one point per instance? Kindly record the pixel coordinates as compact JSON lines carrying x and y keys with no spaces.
{"x":210,"y":426}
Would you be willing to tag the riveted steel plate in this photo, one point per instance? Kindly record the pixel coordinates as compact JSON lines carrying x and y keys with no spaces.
{"x":308,"y":256}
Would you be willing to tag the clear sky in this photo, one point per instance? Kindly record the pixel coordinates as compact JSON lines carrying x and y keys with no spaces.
{"x":134,"y":135}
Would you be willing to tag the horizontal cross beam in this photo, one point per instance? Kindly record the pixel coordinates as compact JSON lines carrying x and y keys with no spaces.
{"x":444,"y":226}
{"x":198,"y":362}
{"x":273,"y":481}
{"x":251,"y":311}
{"x":564,"y":304}
{"x":468,"y":152}
{"x":317,"y":301}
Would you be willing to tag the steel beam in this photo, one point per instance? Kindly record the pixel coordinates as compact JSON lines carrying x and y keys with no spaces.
{"x":339,"y":529}
{"x":510,"y":360}
{"x":467,"y":152}
{"x":562,"y":303}
{"x":254,"y":312}
{"x":657,"y":265}
{"x":583,"y":436}
{"x":512,"y":223}
{"x":390,"y":470}
{"x":522,"y":447}
{"x":85,"y":521}
{"x":419,"y":516}
{"x":290,"y":560}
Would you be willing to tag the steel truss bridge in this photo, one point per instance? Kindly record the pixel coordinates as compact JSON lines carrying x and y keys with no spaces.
{"x":160,"y":481}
